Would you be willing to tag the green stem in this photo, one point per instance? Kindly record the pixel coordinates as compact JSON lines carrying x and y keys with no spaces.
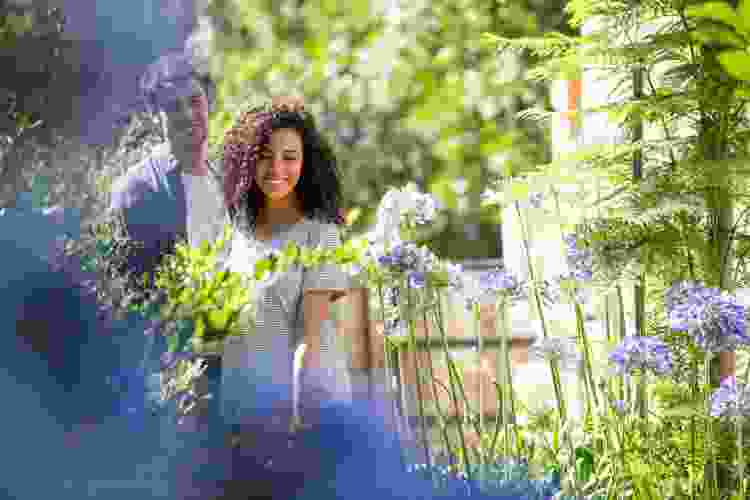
{"x":388,"y":374}
{"x":449,"y":445}
{"x":532,"y":278}
{"x":621,"y":313}
{"x":417,"y":373}
{"x":459,"y":381}
{"x":480,"y":351}
{"x":438,"y":407}
{"x":740,"y":457}
{"x":713,"y":487}
{"x":586,"y":347}
{"x":501,"y":329}
{"x":554,"y":369}
{"x":498,"y":420}
{"x":454,"y":397}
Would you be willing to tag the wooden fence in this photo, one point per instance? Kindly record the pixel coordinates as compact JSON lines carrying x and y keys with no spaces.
{"x":364,"y":337}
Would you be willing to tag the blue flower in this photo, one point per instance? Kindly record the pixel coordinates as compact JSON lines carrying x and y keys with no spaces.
{"x":580,"y":260}
{"x":408,"y":257}
{"x":416,"y":279}
{"x":730,"y":400}
{"x":715,"y":319}
{"x":641,"y":353}
{"x":496,"y":281}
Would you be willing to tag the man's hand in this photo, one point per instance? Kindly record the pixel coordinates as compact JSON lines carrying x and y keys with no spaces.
{"x":288,"y":103}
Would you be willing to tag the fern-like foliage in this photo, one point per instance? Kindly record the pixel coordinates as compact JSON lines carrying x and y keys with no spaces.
{"x":694,"y":112}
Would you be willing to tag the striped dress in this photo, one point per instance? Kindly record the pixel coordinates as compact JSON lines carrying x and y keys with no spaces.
{"x":269,"y":351}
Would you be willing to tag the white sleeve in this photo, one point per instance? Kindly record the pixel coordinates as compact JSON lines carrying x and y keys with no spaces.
{"x":207,"y":215}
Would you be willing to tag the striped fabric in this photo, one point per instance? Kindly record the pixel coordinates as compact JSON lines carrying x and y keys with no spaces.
{"x":279,"y":321}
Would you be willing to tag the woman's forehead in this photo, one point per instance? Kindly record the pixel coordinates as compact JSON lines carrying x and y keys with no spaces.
{"x":285,"y":137}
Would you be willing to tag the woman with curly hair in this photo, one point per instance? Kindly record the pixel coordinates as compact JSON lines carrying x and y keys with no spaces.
{"x":280,"y":184}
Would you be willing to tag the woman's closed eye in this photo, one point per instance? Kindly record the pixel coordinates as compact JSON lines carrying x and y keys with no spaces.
{"x":269,"y":156}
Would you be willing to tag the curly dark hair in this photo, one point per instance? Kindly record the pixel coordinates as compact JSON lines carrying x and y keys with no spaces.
{"x":319,"y":187}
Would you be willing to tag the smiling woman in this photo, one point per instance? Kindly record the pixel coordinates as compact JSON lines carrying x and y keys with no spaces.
{"x":280,"y":185}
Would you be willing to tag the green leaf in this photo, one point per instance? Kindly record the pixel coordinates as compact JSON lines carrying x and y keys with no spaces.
{"x":200,"y":327}
{"x":717,"y":35}
{"x":736,"y":63}
{"x":584,"y":464}
{"x":218,"y":319}
{"x":517,"y":191}
{"x":263,"y":266}
{"x":720,"y":12}
{"x":291,"y":251}
{"x":743,"y":11}
{"x":185,"y":296}
{"x":173,"y":342}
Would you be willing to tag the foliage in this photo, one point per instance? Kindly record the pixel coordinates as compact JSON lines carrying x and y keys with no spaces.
{"x":104,"y":250}
{"x":196,"y":291}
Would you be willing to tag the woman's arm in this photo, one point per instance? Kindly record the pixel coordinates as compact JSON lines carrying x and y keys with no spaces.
{"x":321,"y":286}
{"x":316,"y":305}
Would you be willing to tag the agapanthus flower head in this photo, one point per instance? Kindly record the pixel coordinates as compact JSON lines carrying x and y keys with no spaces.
{"x":731,"y":399}
{"x":425,"y":208}
{"x":643,"y":354}
{"x":680,"y":291}
{"x":580,"y":260}
{"x":558,"y":349}
{"x":715,"y":319}
{"x":408,"y":257}
{"x":417,"y":279}
{"x":500,"y":281}
{"x":455,"y":271}
{"x":399,"y":205}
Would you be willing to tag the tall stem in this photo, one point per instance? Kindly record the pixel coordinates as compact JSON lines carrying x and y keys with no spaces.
{"x":417,"y":373}
{"x":740,"y":457}
{"x":454,"y":396}
{"x":480,"y":375}
{"x":554,"y":368}
{"x":506,"y":340}
{"x":586,"y":348}
{"x":388,"y":375}
{"x":712,"y":477}
{"x":438,"y":407}
{"x":622,"y":329}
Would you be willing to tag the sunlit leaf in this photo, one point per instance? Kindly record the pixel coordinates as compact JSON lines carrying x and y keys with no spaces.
{"x":716,"y":11}
{"x":736,"y":63}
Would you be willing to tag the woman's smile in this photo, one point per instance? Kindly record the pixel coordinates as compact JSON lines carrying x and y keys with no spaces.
{"x":276,"y":183}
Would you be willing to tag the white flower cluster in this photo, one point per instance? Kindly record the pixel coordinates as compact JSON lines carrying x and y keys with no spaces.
{"x":398,"y":207}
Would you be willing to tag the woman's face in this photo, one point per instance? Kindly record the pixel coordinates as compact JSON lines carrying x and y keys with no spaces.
{"x":280,"y":165}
